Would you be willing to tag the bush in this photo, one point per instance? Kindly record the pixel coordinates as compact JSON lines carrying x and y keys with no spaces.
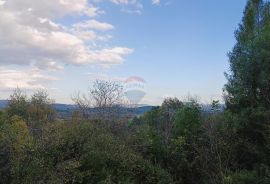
{"x":241,"y":177}
{"x":87,"y":153}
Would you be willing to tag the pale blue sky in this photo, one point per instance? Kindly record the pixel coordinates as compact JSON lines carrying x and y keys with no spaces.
{"x":179,"y":47}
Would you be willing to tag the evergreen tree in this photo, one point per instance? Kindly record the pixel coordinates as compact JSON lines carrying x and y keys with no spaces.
{"x":248,"y":87}
{"x":249,"y":79}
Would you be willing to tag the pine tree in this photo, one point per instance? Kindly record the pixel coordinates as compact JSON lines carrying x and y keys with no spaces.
{"x":248,"y":87}
{"x":249,"y":78}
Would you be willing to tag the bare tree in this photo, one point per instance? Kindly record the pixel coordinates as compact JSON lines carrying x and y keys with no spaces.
{"x":106,"y":93}
{"x":83,"y":103}
{"x":102,"y":101}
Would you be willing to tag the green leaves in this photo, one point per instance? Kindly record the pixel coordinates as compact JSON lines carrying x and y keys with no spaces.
{"x":248,"y":81}
{"x":86,"y":153}
{"x":187,"y":121}
{"x":248,"y":90}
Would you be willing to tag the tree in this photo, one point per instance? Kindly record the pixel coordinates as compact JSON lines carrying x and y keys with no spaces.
{"x":187,"y":120}
{"x":184,"y":156}
{"x":107,"y":96}
{"x":86,"y":153}
{"x":215,"y":106}
{"x":17,"y":104}
{"x":106,"y":93}
{"x":40,"y":107}
{"x":248,"y":88}
{"x":249,"y":78}
{"x":40,"y":111}
{"x":83,"y":103}
{"x":168,"y":109}
{"x":104,"y":98}
{"x":15,"y":141}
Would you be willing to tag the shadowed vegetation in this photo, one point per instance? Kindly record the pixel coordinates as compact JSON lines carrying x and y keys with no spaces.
{"x":177,"y":142}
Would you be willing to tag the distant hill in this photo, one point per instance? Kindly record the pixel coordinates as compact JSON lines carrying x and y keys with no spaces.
{"x":3,"y":103}
{"x":57,"y":106}
{"x":65,"y":110}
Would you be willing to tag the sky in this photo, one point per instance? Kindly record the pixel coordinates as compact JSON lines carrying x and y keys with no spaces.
{"x":179,"y":47}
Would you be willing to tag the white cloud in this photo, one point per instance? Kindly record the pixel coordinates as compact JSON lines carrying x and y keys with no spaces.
{"x":121,"y":1}
{"x":168,"y":96}
{"x":93,"y":11}
{"x":2,"y":2}
{"x":156,"y":2}
{"x":109,"y":56}
{"x":93,"y":24}
{"x":131,"y":11}
{"x":30,"y":36}
{"x":129,"y":6}
{"x":48,"y":8}
{"x":106,"y":77}
{"x":24,"y":79}
{"x":49,"y":65}
{"x":133,"y":6}
{"x":86,"y":35}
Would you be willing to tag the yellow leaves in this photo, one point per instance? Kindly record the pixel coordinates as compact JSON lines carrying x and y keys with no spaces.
{"x":17,"y":133}
{"x":178,"y":143}
{"x":20,"y":133}
{"x":15,"y":140}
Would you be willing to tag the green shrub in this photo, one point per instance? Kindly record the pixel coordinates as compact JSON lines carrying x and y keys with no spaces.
{"x":241,"y":177}
{"x":87,"y":153}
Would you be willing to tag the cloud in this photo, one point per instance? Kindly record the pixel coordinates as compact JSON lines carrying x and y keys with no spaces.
{"x":102,"y":76}
{"x":93,"y":11}
{"x":156,"y":2}
{"x":131,"y":11}
{"x":93,"y":24}
{"x":49,"y":65}
{"x":168,"y":96}
{"x":29,"y":35}
{"x":129,"y":6}
{"x":25,"y":79}
{"x":48,"y":8}
{"x":110,"y":56}
{"x":2,"y":2}
{"x":132,"y":6}
{"x":122,"y":1}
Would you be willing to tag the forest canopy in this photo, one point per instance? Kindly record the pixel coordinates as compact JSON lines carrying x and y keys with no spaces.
{"x":176,"y":142}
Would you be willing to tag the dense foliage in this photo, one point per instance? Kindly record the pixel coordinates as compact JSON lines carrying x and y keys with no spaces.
{"x":177,"y":142}
{"x":248,"y":89}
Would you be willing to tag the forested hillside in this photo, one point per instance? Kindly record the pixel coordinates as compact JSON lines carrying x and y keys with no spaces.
{"x":177,"y":142}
